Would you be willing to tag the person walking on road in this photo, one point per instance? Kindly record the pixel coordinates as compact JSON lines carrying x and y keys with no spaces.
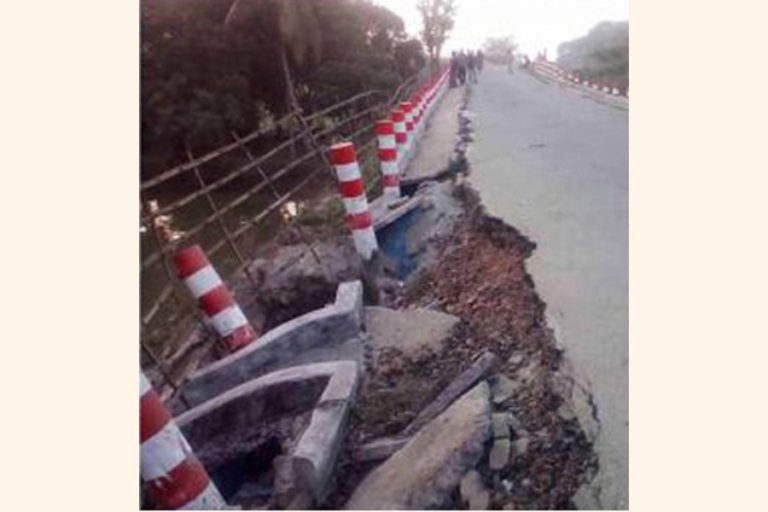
{"x":454,"y":70}
{"x":480,"y":58}
{"x":472,"y":67}
{"x":510,"y":62}
{"x":462,"y":67}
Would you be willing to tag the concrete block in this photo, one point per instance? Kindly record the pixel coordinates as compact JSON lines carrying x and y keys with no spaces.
{"x":331,"y":325}
{"x":327,"y":388}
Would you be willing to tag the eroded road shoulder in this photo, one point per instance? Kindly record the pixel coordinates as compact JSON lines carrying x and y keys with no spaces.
{"x":555,"y":165}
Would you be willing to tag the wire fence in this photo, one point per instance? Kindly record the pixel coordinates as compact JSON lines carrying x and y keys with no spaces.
{"x":228,"y":201}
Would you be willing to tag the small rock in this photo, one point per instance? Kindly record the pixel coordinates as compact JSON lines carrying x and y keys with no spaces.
{"x":509,"y":506}
{"x":480,"y":501}
{"x":516,"y":359}
{"x":508,"y":485}
{"x":500,"y":454}
{"x":473,"y":491}
{"x":565,"y":412}
{"x":471,"y":483}
{"x":500,"y":423}
{"x":517,"y":425}
{"x":529,"y":373}
{"x":503,"y":389}
{"x":520,"y":446}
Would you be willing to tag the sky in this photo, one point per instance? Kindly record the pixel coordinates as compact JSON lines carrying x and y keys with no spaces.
{"x":535,"y":24}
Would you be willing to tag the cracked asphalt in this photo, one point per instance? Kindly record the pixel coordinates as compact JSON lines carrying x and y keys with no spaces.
{"x":554,"y":164}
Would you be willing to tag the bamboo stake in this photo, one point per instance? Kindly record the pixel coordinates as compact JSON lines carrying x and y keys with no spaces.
{"x":276,"y":194}
{"x":222,"y":225}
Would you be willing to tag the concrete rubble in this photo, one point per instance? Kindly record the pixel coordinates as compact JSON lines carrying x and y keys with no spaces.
{"x":429,"y":468}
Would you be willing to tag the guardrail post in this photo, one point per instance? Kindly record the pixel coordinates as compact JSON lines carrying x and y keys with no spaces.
{"x":418,"y":110}
{"x":401,"y":137}
{"x":385,"y":131}
{"x":214,"y":298}
{"x":174,"y":478}
{"x":359,"y":218}
{"x":407,"y":108}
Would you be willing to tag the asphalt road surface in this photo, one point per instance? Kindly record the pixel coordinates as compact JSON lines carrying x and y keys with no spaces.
{"x":554,"y":164}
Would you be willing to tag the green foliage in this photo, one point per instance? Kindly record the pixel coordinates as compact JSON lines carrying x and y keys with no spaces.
{"x":603,"y":54}
{"x":201,"y":78}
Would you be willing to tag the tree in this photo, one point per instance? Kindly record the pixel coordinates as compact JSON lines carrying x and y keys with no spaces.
{"x":409,"y":56}
{"x":297,"y":31}
{"x":437,"y":17}
{"x":201,"y":78}
{"x":498,"y":49}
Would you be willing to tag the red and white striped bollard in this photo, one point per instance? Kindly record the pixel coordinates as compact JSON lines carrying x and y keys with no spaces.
{"x":214,"y":298}
{"x":407,"y":108}
{"x":173,"y":476}
{"x":385,"y":131}
{"x":420,"y":112}
{"x":401,"y":136}
{"x":359,"y":218}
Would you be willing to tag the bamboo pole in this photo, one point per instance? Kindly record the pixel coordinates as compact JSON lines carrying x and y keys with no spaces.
{"x":174,"y":171}
{"x":222,"y":225}
{"x":276,"y":194}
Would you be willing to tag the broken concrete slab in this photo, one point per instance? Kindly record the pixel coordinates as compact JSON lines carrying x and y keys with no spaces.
{"x":384,"y":214}
{"x":327,"y":389}
{"x":482,"y":366}
{"x":408,"y":330}
{"x":427,"y":470}
{"x":332,"y":325}
{"x":379,"y":449}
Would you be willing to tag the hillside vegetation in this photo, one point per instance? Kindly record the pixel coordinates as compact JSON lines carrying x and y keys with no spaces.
{"x":201,"y":78}
{"x":603,"y":54}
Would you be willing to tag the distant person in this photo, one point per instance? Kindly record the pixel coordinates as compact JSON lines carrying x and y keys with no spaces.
{"x":510,"y":61}
{"x":472,"y":67}
{"x":462,"y":67}
{"x":480,"y":59}
{"x":454,"y":70}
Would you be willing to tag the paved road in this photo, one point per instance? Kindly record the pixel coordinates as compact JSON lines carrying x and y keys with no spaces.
{"x":554,"y":164}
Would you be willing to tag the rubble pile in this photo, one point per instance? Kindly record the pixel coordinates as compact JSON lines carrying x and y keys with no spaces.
{"x":537,"y":455}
